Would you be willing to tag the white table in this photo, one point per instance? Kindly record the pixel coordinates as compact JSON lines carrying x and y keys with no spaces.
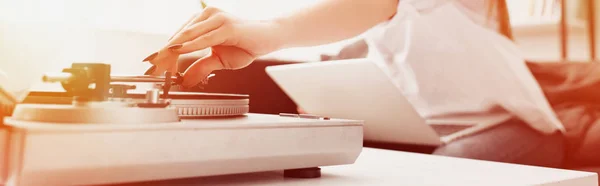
{"x":385,"y":167}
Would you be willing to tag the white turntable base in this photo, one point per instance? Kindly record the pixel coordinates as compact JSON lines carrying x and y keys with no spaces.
{"x":62,"y":154}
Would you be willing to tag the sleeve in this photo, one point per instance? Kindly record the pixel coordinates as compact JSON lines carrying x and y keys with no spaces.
{"x":475,"y":10}
{"x":444,"y":63}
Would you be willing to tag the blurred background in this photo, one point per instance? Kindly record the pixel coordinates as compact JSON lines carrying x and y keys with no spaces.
{"x":535,"y":22}
{"x":123,"y":32}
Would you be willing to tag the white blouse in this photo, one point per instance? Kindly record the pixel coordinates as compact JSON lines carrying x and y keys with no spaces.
{"x":448,"y":59}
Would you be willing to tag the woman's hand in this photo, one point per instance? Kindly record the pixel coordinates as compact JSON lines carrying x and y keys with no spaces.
{"x":234,"y":44}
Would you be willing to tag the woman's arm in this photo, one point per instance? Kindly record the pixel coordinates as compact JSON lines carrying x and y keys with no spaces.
{"x":235,"y":42}
{"x":326,"y":22}
{"x":333,"y":20}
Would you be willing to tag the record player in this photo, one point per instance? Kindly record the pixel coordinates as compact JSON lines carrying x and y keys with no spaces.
{"x":76,"y":81}
{"x":100,"y":130}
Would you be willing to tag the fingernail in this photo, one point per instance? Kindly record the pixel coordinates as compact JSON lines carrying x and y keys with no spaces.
{"x":151,"y":70}
{"x":175,"y":47}
{"x":150,"y":57}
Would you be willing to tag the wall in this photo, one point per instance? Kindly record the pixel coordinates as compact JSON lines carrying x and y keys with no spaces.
{"x":158,"y":19}
{"x":542,"y":42}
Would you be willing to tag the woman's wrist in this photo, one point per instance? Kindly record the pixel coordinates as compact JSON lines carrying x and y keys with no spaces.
{"x":282,"y":33}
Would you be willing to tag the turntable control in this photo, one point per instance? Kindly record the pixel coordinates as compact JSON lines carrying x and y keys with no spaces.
{"x":153,"y":100}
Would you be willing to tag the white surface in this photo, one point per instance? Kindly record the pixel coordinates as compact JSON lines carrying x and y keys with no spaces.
{"x":383,"y":167}
{"x":355,"y":89}
{"x":82,"y":154}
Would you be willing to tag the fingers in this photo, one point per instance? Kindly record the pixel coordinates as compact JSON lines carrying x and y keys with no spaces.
{"x":150,"y":70}
{"x":200,"y":32}
{"x":183,"y":26}
{"x":164,"y":60}
{"x":198,"y":29}
{"x":204,"y":15}
{"x":199,"y":71}
{"x":212,"y":38}
{"x":150,"y":57}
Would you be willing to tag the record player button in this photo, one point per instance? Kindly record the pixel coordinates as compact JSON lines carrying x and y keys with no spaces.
{"x":152,"y":96}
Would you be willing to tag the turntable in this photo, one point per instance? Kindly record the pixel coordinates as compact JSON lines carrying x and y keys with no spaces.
{"x":188,"y":104}
{"x":98,"y":131}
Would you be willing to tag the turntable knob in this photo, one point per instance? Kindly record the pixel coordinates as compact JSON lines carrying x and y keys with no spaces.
{"x":152,"y":96}
{"x":153,"y":100}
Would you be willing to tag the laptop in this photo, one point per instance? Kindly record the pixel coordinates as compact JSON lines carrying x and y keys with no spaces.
{"x":359,"y":89}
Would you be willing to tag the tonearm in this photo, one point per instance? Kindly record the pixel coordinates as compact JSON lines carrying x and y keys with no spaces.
{"x":92,"y":81}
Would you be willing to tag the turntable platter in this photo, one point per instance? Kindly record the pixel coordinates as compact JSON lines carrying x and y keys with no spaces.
{"x":188,"y":104}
